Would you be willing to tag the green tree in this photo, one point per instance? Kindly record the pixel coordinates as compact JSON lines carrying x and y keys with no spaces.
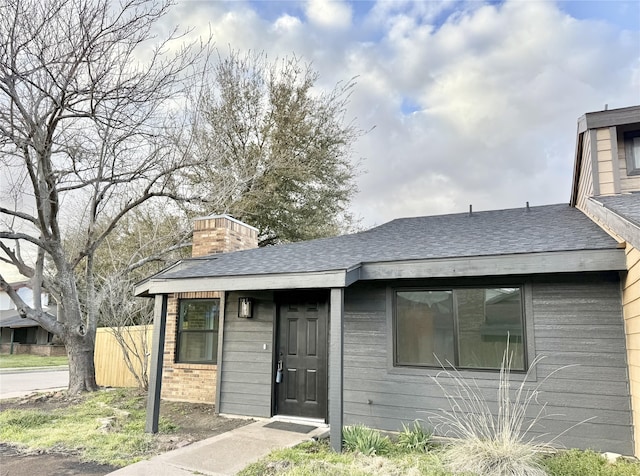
{"x":277,"y":151}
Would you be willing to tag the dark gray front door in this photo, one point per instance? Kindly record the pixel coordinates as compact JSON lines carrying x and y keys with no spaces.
{"x":302,"y":348}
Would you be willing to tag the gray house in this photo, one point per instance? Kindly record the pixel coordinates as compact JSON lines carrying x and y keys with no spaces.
{"x":352,"y":329}
{"x":24,"y":336}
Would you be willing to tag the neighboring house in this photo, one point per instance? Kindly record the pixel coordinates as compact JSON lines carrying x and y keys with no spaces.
{"x":24,"y":336}
{"x":360,"y":324}
{"x":606,"y":187}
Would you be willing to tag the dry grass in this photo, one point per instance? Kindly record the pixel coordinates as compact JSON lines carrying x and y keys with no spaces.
{"x":489,"y":443}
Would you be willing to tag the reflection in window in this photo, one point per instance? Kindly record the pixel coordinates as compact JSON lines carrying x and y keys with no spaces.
{"x":465,"y":327}
{"x":198,"y":331}
{"x":632,"y":152}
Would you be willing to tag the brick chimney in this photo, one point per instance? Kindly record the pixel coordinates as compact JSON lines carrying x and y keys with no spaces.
{"x":220,"y":234}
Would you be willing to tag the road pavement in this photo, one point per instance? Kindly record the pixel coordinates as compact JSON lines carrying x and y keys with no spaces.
{"x":20,"y":382}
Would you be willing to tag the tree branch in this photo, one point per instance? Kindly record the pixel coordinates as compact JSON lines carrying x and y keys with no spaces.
{"x":9,"y":235}
{"x":17,"y":214}
{"x":46,"y":320}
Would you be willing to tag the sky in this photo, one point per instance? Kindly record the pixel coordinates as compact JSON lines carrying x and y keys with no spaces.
{"x":466,"y":102}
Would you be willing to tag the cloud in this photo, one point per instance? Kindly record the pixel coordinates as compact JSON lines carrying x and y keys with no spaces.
{"x":329,"y":13}
{"x":471,"y":102}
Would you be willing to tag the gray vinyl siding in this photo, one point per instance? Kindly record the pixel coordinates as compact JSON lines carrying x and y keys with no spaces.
{"x":246,"y":366}
{"x":572,"y":320}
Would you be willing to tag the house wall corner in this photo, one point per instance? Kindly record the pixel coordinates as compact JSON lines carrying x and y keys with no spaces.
{"x":183,"y":382}
{"x":631,"y":312}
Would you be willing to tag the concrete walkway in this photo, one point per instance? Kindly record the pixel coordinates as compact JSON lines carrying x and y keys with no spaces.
{"x":224,"y":454}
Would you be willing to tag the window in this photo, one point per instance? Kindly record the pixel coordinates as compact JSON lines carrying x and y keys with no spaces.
{"x":464,"y":327}
{"x":198,"y":331}
{"x":632,"y":152}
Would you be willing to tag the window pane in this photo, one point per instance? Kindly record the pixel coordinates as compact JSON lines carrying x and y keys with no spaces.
{"x":424,"y":328}
{"x":486,"y":319}
{"x":635,"y":150}
{"x":198,"y":347}
{"x":198,"y":330}
{"x":199,"y":315}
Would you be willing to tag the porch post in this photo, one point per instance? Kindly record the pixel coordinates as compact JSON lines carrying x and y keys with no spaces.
{"x":155,"y":372}
{"x":221,"y":316}
{"x":336,"y":348}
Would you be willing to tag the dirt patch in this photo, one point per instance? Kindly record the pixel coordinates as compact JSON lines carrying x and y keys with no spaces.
{"x":193,"y":422}
{"x":15,"y":463}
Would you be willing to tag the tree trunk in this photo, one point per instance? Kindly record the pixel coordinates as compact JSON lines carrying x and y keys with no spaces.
{"x":82,"y":374}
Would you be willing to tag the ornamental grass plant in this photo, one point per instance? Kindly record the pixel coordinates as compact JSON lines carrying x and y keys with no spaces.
{"x":480,"y":440}
{"x":365,"y":440}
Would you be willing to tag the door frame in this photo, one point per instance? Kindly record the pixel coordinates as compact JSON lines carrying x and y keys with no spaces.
{"x":286,"y":297}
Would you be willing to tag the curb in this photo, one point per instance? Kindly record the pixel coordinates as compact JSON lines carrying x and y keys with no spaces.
{"x":15,"y":370}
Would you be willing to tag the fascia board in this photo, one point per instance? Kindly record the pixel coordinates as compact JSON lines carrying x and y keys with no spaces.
{"x":618,"y":224}
{"x":501,"y":265}
{"x":325,"y":279}
{"x":612,"y":117}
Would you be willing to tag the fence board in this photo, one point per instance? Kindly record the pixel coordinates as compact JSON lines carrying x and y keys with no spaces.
{"x":111,"y":369}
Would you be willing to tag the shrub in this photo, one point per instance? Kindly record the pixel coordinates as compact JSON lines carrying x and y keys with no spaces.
{"x":415,"y":438}
{"x":487,"y":443}
{"x":365,"y":440}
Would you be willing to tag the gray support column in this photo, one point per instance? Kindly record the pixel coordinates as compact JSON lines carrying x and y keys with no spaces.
{"x":223,"y":311}
{"x":155,"y":372}
{"x":336,"y":350}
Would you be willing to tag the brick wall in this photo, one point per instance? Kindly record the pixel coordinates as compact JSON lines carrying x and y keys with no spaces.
{"x":220,"y":234}
{"x":44,"y":350}
{"x":197,"y":382}
{"x":185,"y":382}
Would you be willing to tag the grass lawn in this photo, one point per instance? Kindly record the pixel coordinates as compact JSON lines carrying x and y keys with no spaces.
{"x":26,"y":360}
{"x":105,"y":427}
{"x":317,"y":459}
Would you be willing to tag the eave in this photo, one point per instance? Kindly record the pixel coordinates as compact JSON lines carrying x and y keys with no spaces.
{"x":614,"y":222}
{"x":613,"y":117}
{"x":500,"y":265}
{"x":340,"y":278}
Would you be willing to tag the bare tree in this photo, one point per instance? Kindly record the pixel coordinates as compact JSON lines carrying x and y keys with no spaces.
{"x":127,"y":319}
{"x":91,"y":116}
{"x":145,"y":241}
{"x":276,"y":148}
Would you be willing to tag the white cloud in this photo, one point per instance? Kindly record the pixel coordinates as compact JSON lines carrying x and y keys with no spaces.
{"x":287,"y":24}
{"x":329,"y":13}
{"x":495,"y":92}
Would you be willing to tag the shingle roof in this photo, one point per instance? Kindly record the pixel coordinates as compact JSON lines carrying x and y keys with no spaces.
{"x":627,"y":206}
{"x":539,"y":229}
{"x":10,"y":318}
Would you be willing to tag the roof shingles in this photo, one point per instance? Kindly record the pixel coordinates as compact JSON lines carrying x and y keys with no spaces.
{"x":626,"y":205}
{"x":537,"y":229}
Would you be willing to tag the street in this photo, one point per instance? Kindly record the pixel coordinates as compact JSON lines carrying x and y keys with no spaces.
{"x":17,"y":383}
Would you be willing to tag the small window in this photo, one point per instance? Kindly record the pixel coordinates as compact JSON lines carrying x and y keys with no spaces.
{"x":198,"y":331}
{"x":632,"y":152}
{"x":466,"y":327}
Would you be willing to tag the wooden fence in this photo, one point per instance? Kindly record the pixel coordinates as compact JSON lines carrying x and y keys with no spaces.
{"x":111,"y":369}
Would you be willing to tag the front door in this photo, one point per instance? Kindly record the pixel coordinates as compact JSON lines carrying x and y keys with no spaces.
{"x":302,"y":349}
